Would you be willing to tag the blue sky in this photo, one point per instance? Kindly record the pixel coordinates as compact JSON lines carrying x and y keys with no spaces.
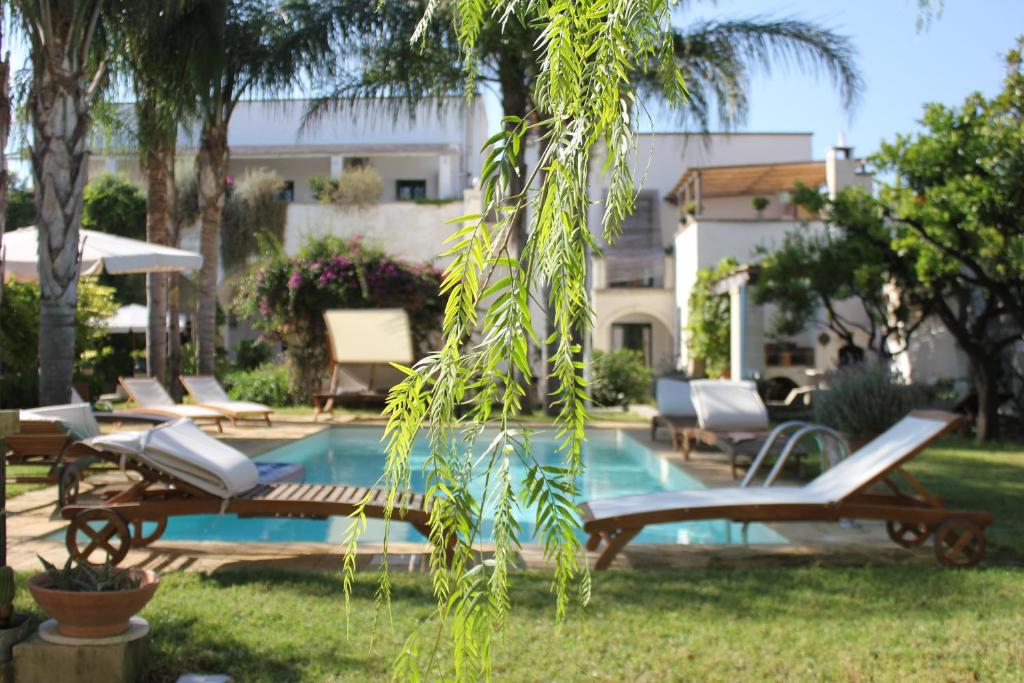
{"x":958,"y":53}
{"x":903,"y":68}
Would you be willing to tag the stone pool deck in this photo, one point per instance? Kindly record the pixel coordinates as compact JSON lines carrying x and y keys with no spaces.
{"x":31,"y":519}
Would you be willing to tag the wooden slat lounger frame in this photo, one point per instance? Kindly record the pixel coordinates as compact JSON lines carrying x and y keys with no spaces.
{"x":911,"y":516}
{"x":678,"y":427}
{"x":158,"y":496}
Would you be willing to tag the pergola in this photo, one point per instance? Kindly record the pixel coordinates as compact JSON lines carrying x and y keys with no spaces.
{"x":708,"y":182}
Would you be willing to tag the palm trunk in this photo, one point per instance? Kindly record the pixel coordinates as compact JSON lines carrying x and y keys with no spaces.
{"x":174,"y":300}
{"x":211,"y":172}
{"x":158,"y":163}
{"x":60,"y":124}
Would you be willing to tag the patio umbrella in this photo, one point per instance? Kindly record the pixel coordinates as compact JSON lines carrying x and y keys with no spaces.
{"x":132,"y":318}
{"x":100,"y":251}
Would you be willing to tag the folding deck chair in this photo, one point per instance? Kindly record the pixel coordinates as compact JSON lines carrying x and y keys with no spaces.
{"x":207,"y":392}
{"x":841,"y":492}
{"x":149,"y":396}
{"x":362,"y":337}
{"x":184,"y":471}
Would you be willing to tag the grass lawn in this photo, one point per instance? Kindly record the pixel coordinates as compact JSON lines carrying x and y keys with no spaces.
{"x":812,"y":623}
{"x":25,"y":470}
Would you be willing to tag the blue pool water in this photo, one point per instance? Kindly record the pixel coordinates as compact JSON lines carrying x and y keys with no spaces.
{"x":616,"y":465}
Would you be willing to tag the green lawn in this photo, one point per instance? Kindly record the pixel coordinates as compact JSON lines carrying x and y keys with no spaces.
{"x":812,"y":623}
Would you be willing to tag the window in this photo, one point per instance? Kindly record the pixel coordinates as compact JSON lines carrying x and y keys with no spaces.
{"x":287,"y":193}
{"x":636,"y":336}
{"x":406,"y":190}
{"x":354,"y":162}
{"x":788,"y":355}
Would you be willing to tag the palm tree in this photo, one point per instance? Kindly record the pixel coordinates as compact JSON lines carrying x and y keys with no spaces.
{"x":243,"y":49}
{"x":66,"y":41}
{"x":716,"y":58}
{"x":156,"y":48}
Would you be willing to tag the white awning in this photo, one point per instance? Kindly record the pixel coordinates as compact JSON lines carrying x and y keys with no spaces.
{"x":100,"y":251}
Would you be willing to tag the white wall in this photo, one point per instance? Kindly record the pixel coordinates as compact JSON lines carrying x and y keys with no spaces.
{"x":410,"y":231}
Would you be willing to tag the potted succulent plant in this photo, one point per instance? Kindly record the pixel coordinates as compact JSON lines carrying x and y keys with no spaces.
{"x":90,"y":601}
{"x":13,"y":627}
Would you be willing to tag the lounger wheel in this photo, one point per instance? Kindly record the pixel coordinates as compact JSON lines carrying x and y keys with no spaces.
{"x":907,"y":534}
{"x":98,"y":531}
{"x":141,"y":540}
{"x":959,"y":542}
{"x":71,"y":481}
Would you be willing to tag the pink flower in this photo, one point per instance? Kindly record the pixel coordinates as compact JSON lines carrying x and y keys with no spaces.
{"x":295,"y":280}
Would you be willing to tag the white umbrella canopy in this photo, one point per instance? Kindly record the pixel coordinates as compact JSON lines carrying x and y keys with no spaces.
{"x":132,"y":318}
{"x":100,"y":251}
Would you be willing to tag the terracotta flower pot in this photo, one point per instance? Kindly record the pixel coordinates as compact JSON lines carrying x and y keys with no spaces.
{"x":93,"y":615}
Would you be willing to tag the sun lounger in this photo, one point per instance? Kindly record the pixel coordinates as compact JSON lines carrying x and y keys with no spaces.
{"x":44,"y":435}
{"x":362,"y":337}
{"x":730,"y":417}
{"x":842,"y":492}
{"x":149,"y":396}
{"x":208,"y":393}
{"x":184,"y":471}
{"x":676,"y":411}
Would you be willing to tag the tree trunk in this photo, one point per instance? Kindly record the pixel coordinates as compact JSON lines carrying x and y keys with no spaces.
{"x":5,"y":130}
{"x":986,"y":372}
{"x":60,"y":124}
{"x":174,"y":301}
{"x":159,"y":163}
{"x":211,"y":173}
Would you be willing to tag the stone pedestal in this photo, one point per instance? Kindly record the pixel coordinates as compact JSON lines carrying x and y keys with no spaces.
{"x":119,"y":659}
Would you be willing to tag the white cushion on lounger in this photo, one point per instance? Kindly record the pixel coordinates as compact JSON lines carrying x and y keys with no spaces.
{"x":697,"y":498}
{"x":729,"y":406}
{"x":183,"y":450}
{"x":209,"y":392}
{"x":875,"y":457}
{"x":205,"y":389}
{"x":238,"y":407}
{"x":674,"y":398}
{"x":75,"y":418}
{"x":185,"y":410}
{"x":148,"y":392}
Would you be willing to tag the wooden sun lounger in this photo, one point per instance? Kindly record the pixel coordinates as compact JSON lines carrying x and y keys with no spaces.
{"x":840,"y":493}
{"x":115,"y":526}
{"x":47,"y":444}
{"x":233,"y":410}
{"x":168,"y":407}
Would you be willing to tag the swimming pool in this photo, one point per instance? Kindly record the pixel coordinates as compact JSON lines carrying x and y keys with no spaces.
{"x":616,"y":464}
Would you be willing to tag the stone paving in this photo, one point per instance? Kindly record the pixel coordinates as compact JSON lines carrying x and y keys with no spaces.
{"x":31,"y":518}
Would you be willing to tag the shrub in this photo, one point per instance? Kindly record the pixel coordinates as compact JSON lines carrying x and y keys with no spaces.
{"x":19,"y":339}
{"x":360,"y":186}
{"x":707,"y":323}
{"x":115,"y":205}
{"x":760,"y":203}
{"x":864,"y":401}
{"x":252,"y":353}
{"x":619,"y":378}
{"x":267,"y":384}
{"x":286,"y":297}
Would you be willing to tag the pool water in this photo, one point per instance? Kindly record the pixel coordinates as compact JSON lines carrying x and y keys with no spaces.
{"x":616,"y":465}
